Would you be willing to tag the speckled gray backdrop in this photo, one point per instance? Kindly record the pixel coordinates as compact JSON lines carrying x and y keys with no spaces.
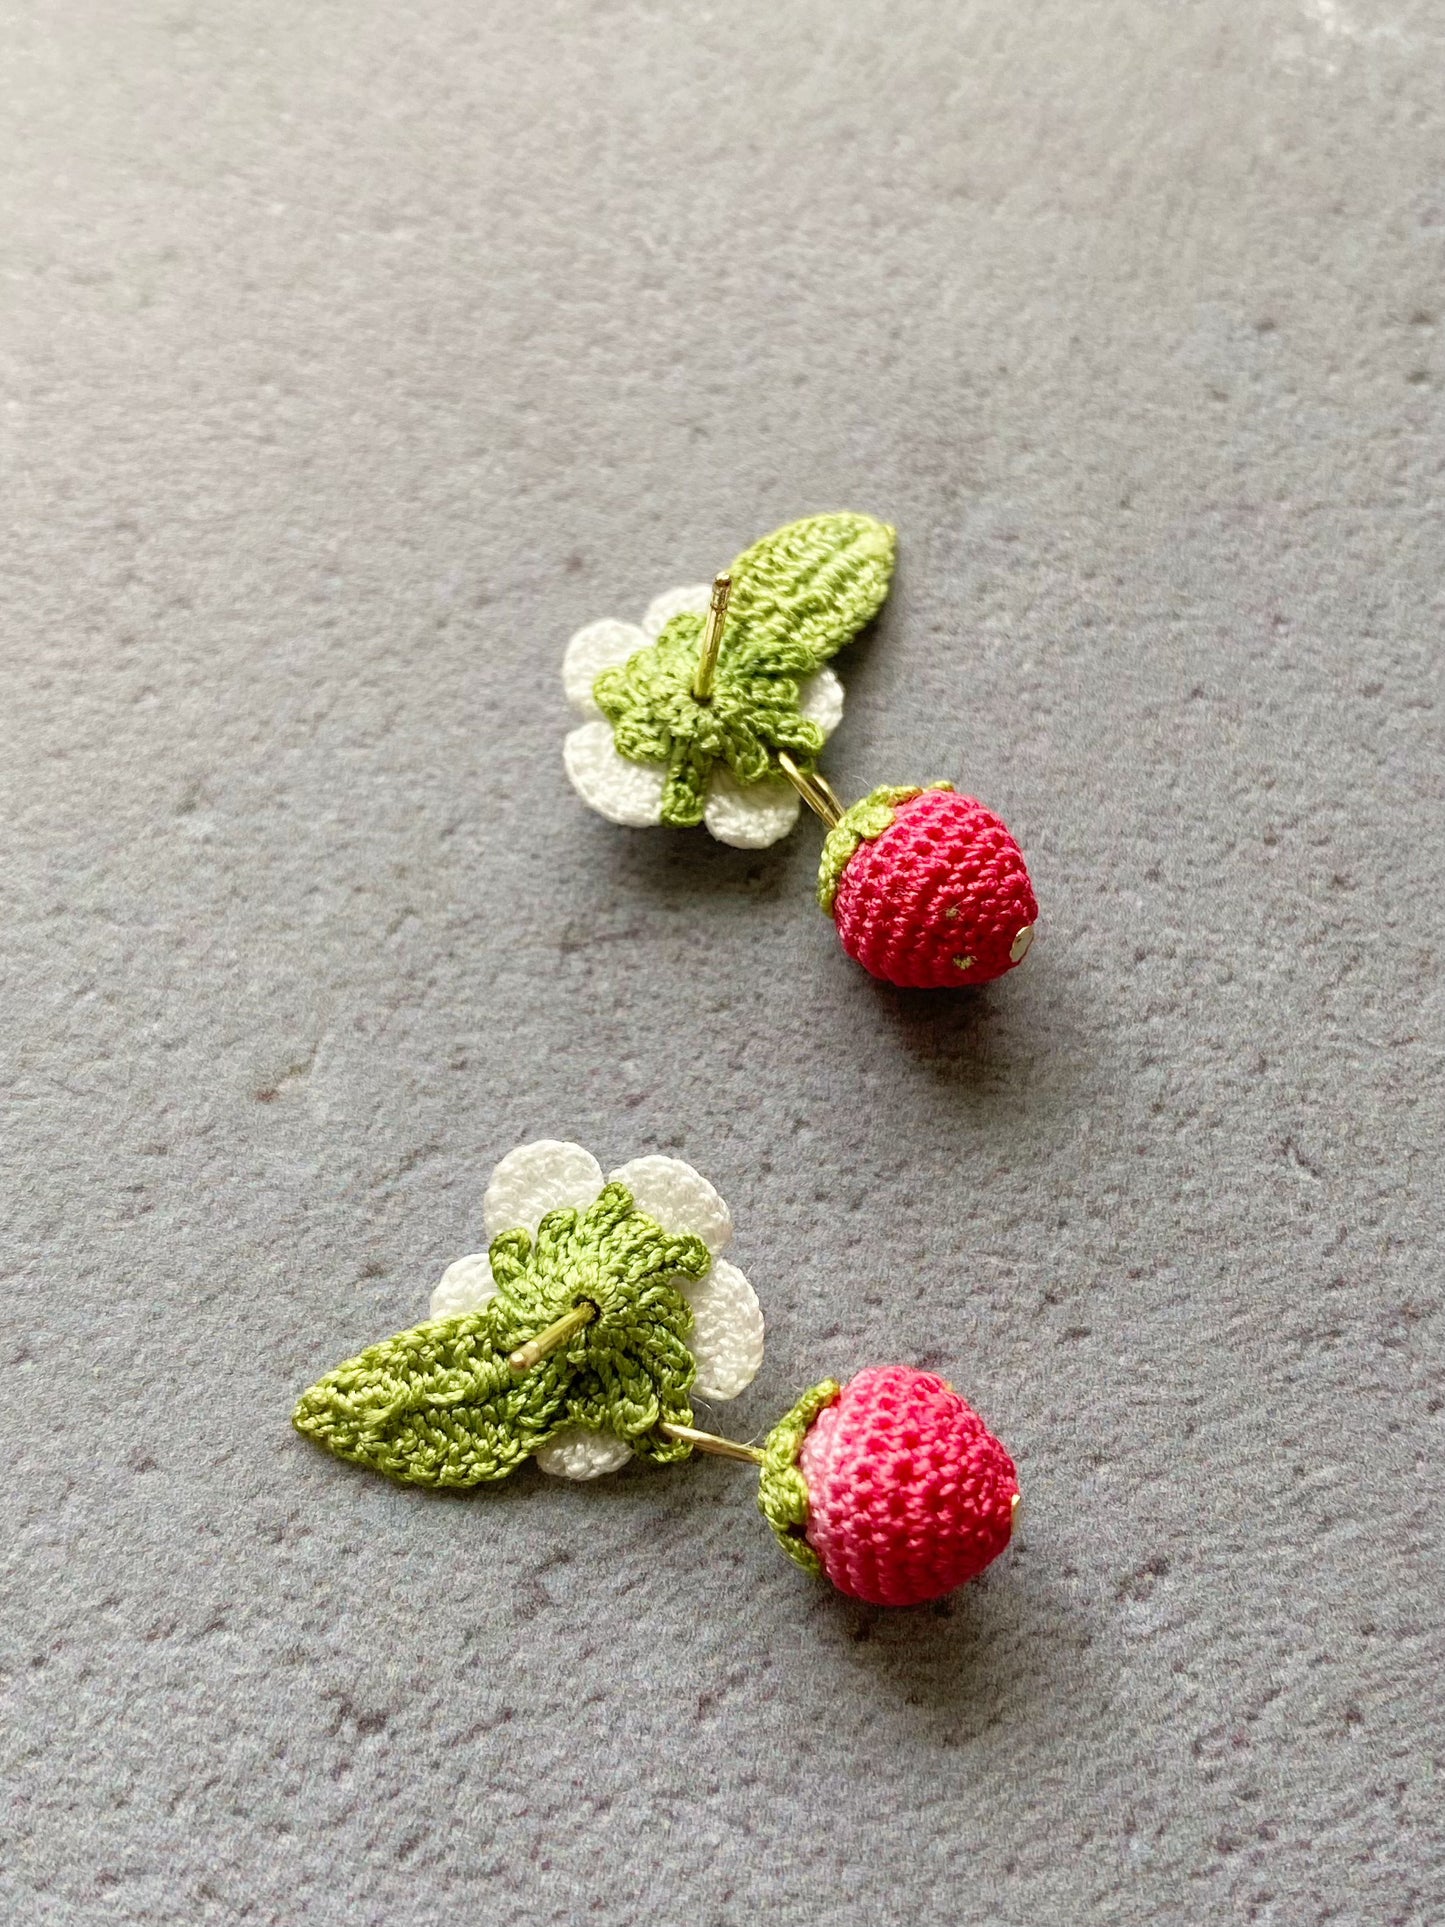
{"x":352,"y":357}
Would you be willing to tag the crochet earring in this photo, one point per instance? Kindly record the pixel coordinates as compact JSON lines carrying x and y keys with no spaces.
{"x":579,"y":1340}
{"x":715,"y":708}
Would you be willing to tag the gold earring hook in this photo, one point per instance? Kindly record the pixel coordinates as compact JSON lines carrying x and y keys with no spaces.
{"x":816,"y":791}
{"x":547,"y":1342}
{"x":712,"y":635}
{"x":710,"y":1442}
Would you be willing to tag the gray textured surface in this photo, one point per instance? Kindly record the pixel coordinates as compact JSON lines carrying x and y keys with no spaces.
{"x":350,"y":361}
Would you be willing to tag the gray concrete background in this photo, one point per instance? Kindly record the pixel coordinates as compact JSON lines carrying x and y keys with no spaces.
{"x":352,"y":357}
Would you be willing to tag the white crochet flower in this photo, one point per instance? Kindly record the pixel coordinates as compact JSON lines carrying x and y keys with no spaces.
{"x":727,"y":1333}
{"x":748,"y":817}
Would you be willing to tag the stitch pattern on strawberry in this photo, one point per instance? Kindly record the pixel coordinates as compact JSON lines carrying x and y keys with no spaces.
{"x":928,"y":889}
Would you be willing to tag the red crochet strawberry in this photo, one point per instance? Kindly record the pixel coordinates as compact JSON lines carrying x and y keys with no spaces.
{"x":892,"y":1486}
{"x":927,"y":888}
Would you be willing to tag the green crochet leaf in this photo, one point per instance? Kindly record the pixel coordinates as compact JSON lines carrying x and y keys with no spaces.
{"x":439,"y":1405}
{"x":862,"y":822}
{"x":782,"y":1490}
{"x":797,"y":597}
{"x":800,"y":593}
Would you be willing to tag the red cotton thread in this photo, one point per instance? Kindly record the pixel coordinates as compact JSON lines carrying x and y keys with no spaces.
{"x":909,"y":1493}
{"x":941,"y":897}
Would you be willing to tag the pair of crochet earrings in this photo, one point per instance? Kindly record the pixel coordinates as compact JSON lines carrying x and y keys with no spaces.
{"x":603,"y":1305}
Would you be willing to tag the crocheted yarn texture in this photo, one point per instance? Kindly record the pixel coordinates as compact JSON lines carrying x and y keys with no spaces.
{"x":898,"y":1489}
{"x":661,"y":754}
{"x":440,"y":1404}
{"x":928,"y":888}
{"x":895,"y":1501}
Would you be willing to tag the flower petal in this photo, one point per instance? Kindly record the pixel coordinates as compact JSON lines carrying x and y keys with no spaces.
{"x":749,"y":816}
{"x":465,"y":1286}
{"x":727,"y":1333}
{"x":820,"y":699}
{"x":601,"y":645}
{"x":679,"y":1198}
{"x":691,"y":601}
{"x":538,"y":1178}
{"x":574,"y":1452}
{"x":623,"y":792}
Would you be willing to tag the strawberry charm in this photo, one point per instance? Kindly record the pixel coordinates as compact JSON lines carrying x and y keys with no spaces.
{"x":892,"y":1487}
{"x":928,"y":888}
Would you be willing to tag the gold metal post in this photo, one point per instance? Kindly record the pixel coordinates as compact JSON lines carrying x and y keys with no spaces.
{"x":710,"y":1442}
{"x":702,"y":682}
{"x":816,"y":791}
{"x":538,"y":1348}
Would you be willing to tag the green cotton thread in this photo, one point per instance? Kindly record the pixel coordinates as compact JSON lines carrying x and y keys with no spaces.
{"x":864,"y":822}
{"x":439,"y":1405}
{"x":797,"y":596}
{"x":782,"y":1490}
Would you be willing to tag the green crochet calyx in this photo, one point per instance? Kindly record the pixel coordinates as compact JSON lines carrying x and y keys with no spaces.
{"x":797,"y":596}
{"x":782,"y":1490}
{"x":439,"y":1405}
{"x":864,"y":822}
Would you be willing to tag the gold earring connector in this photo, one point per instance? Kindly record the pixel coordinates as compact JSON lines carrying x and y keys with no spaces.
{"x":712,"y":635}
{"x":547,"y":1342}
{"x":816,"y":791}
{"x":710,"y":1442}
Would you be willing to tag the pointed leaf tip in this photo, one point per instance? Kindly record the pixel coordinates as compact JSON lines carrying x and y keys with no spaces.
{"x":432,"y":1406}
